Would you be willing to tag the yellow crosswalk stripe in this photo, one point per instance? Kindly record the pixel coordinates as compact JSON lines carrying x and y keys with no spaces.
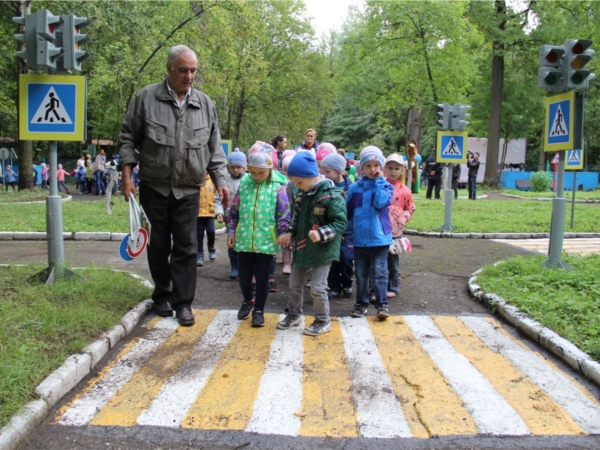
{"x":327,"y":402}
{"x":226,"y":401}
{"x":540,"y":413}
{"x":137,"y":394}
{"x":428,"y":402}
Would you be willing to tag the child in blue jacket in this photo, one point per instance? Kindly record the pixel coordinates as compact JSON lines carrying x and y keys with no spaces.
{"x":368,"y":203}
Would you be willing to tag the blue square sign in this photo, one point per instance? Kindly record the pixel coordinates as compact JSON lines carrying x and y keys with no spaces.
{"x":559,"y":122}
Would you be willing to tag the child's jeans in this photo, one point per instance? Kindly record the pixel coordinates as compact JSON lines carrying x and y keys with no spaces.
{"x":393,"y":273}
{"x":318,"y":290}
{"x":257,"y":265}
{"x":364,"y":259}
{"x":208,"y":224}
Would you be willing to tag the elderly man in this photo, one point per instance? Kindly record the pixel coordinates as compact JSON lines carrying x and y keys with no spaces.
{"x":175,"y":129}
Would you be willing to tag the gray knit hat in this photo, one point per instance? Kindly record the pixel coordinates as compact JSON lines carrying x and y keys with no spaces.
{"x":334,"y":161}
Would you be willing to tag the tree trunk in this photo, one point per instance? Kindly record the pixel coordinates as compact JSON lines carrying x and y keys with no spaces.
{"x":23,"y":147}
{"x":415,"y":130}
{"x":493,"y":143}
{"x":239,"y":115}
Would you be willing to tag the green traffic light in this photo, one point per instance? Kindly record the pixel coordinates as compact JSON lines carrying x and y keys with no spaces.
{"x":577,"y":78}
{"x":550,"y":79}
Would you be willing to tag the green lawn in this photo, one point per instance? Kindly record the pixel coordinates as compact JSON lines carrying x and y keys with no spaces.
{"x":579,"y":195}
{"x":42,"y":325}
{"x":566,"y":301}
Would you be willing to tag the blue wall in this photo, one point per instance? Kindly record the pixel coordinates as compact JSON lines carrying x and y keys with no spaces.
{"x":587,"y":181}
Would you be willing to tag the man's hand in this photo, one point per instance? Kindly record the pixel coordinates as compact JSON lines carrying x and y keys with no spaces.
{"x":224,"y":196}
{"x":314,"y":235}
{"x":230,"y":241}
{"x":285,"y":239}
{"x":127,"y":184}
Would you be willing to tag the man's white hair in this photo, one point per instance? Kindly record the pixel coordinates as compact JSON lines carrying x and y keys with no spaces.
{"x":177,"y":50}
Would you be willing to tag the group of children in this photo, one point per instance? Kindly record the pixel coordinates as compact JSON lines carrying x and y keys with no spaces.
{"x":329,"y":229}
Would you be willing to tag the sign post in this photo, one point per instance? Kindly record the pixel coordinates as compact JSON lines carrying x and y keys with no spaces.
{"x":452,"y":147}
{"x":574,"y":162}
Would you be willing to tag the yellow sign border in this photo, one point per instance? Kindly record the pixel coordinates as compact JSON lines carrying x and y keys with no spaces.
{"x":229,"y":146}
{"x":563,"y":145}
{"x":578,"y":167}
{"x":438,"y":152}
{"x":80,"y":106}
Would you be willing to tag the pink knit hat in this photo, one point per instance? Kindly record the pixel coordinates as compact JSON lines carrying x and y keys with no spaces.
{"x":325,"y":149}
{"x":285,"y":153}
{"x":286,"y":161}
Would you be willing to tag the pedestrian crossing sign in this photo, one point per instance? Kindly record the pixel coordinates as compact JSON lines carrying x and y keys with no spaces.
{"x":226,"y":144}
{"x":52,"y":107}
{"x":560,"y":119}
{"x":452,"y":147}
{"x":574,"y":160}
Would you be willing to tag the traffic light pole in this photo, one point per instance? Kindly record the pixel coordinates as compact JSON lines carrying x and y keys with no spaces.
{"x":559,"y":204}
{"x":54,"y":232}
{"x":448,"y":197}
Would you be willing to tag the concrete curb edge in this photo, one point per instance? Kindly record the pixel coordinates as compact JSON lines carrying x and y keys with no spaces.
{"x":74,"y":236}
{"x":68,"y":375}
{"x":550,"y":340}
{"x":546,"y":198}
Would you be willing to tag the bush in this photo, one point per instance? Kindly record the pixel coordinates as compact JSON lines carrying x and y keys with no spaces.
{"x":540,"y":181}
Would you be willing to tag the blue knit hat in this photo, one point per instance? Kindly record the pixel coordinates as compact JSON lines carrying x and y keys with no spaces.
{"x":303,"y":165}
{"x":335,"y":162}
{"x":371,"y":153}
{"x":238,"y":159}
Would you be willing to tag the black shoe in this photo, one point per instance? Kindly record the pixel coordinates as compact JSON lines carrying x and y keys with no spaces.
{"x":289,"y":321}
{"x":185,"y":317}
{"x":163,"y":309}
{"x":347,"y":292}
{"x":383,"y":312}
{"x":359,"y":310}
{"x":258,"y":319}
{"x":245,"y":310}
{"x":333,"y":294}
{"x":272,"y":285}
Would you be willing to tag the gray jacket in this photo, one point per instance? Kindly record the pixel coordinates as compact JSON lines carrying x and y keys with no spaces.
{"x":175,"y":150}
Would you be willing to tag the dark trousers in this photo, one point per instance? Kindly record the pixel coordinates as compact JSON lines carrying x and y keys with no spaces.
{"x":11,"y":184}
{"x":257,"y":265}
{"x":430,"y":185}
{"x":473,"y":187}
{"x":455,"y":187}
{"x":205,"y":224}
{"x":341,"y":272}
{"x":273,"y":267}
{"x":172,"y":264}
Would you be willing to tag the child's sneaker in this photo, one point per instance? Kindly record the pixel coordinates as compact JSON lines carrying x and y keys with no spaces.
{"x":258,"y":319}
{"x":317,"y":328}
{"x":272,"y":285}
{"x":383,"y":312}
{"x":333,"y":294}
{"x":200,"y":260}
{"x":359,"y":310}
{"x":347,"y":292}
{"x":289,"y":321}
{"x":212,"y":254}
{"x":245,"y":310}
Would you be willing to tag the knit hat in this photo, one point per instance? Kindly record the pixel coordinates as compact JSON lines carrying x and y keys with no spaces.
{"x":303,"y":165}
{"x":59,"y":166}
{"x":237,"y":159}
{"x":335,"y":162}
{"x":395,"y":157}
{"x":325,"y":149}
{"x":261,"y":155}
{"x":285,"y":162}
{"x":285,"y":153}
{"x":371,"y":153}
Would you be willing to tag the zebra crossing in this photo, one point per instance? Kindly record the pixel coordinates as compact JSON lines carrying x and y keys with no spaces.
{"x":583,"y":246}
{"x":409,"y":376}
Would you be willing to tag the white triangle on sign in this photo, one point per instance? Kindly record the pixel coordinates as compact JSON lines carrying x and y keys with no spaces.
{"x":556,"y":158}
{"x":559,"y":125}
{"x":451,"y":148}
{"x":574,"y":156}
{"x":51,"y":110}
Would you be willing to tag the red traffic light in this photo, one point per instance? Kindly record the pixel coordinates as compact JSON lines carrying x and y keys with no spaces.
{"x":552,"y":57}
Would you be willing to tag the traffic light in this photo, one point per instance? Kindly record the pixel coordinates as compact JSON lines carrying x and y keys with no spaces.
{"x":444,"y":111}
{"x":550,"y":73}
{"x":29,"y":38}
{"x":462,"y":116}
{"x":577,"y":55}
{"x":72,"y":40}
{"x":46,"y":25}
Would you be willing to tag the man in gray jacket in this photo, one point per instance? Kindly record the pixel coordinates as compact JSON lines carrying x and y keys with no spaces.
{"x":175,"y":129}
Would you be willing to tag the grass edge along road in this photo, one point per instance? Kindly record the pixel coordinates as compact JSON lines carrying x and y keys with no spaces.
{"x":482,"y":216}
{"x":566,"y":301}
{"x":40,"y":326}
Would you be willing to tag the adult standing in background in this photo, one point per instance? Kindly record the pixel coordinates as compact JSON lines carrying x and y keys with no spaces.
{"x":473,"y":165}
{"x":433,"y":169}
{"x":279,"y":143}
{"x":98,"y":171}
{"x":310,"y":141}
{"x":455,"y":177}
{"x":175,"y":129}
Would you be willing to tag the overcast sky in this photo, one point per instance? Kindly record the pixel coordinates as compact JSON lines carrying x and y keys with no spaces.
{"x":329,"y":14}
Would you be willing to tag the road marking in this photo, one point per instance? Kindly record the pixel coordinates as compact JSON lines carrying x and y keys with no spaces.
{"x":541,"y":414}
{"x":228,"y":397}
{"x":583,"y":246}
{"x":327,"y":388}
{"x":491,"y":412}
{"x":581,"y":408}
{"x":138,"y":393}
{"x":85,"y":408}
{"x":429,"y":403}
{"x":282,"y":380}
{"x":379,"y":413}
{"x":176,"y":397}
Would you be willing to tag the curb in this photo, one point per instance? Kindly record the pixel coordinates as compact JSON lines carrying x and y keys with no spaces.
{"x":75,"y":236}
{"x":446,"y":234}
{"x":64,"y":199}
{"x":68,"y":375}
{"x":550,"y":340}
{"x":546,"y":198}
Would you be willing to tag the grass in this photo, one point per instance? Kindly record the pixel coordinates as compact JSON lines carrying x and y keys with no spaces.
{"x":501,"y":216}
{"x":42,"y":325}
{"x":566,"y":301}
{"x":579,"y":195}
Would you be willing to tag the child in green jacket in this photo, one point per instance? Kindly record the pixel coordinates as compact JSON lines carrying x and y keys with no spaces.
{"x":318,"y":222}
